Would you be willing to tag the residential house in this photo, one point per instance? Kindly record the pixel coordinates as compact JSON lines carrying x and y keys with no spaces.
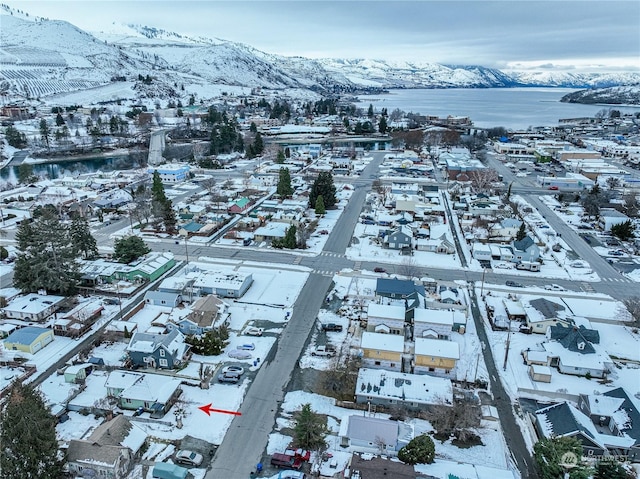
{"x":33,"y":307}
{"x":392,"y":289}
{"x":525,"y":250}
{"x":225,"y":285}
{"x":506,"y":230}
{"x":159,"y":298}
{"x":239,"y":206}
{"x":382,"y":318}
{"x":270,"y":231}
{"x":148,"y":268}
{"x":439,"y":241}
{"x":483,"y":205}
{"x":28,"y":340}
{"x":382,"y":350}
{"x":366,"y":466}
{"x":545,"y":313}
{"x":206,"y":313}
{"x":617,"y":419}
{"x":110,"y":451}
{"x":515,"y":311}
{"x":151,"y":392}
{"x":77,"y":373}
{"x":166,"y":351}
{"x":436,"y":323}
{"x":76,"y":322}
{"x":399,"y":238}
{"x":436,"y":357}
{"x":391,"y":388}
{"x":372,"y":435}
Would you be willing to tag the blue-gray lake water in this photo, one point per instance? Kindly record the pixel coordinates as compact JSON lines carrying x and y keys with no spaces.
{"x":512,"y":108}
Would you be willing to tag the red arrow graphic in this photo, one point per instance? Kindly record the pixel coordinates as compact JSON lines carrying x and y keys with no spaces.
{"x":208,"y":409}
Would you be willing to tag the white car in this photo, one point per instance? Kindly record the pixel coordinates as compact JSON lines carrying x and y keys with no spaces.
{"x":253,"y":331}
{"x":189,"y":458}
{"x":237,"y":370}
{"x":554,"y":287}
{"x":246,"y":346}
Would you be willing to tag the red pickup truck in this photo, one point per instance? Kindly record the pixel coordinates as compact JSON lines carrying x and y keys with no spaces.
{"x":285,"y":460}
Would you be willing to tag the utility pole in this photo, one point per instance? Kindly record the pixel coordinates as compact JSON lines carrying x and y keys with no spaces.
{"x":482,"y":287}
{"x":186,"y":248}
{"x":506,"y":351}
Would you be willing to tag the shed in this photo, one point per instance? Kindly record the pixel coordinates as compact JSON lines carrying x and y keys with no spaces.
{"x":28,"y":340}
{"x":77,"y":373}
{"x":541,"y":374}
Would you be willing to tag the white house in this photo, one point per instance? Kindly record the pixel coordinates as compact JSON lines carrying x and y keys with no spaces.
{"x":383,"y":318}
{"x":610,"y":217}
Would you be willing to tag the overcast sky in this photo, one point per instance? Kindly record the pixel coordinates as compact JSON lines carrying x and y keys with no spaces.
{"x":586,"y":35}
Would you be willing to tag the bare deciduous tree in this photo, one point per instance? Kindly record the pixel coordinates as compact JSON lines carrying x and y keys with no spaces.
{"x":631,"y":310}
{"x":482,"y":180}
{"x":409,"y":267}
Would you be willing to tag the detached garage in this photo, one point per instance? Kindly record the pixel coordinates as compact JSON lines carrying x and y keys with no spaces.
{"x":28,"y":340}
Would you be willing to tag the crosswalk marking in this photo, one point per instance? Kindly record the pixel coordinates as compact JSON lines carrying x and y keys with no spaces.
{"x":324,"y":273}
{"x":329,"y":253}
{"x":297,"y":260}
{"x":587,"y":287}
{"x":357,"y":265}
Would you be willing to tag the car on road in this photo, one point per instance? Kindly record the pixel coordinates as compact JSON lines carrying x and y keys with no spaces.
{"x":189,"y":458}
{"x":228,"y":378}
{"x":239,"y":354}
{"x":246,"y":346}
{"x":553,"y":188}
{"x":233,"y":370}
{"x":554,"y":287}
{"x":379,"y":269}
{"x":513,"y":284}
{"x":253,"y":331}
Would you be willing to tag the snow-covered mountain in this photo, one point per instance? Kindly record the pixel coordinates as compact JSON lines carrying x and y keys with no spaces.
{"x":42,"y":57}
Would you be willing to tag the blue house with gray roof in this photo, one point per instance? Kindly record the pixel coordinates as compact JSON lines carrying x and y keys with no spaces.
{"x":397,"y":289}
{"x":525,"y":250}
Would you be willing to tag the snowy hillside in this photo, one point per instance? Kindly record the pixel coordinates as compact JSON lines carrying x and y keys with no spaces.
{"x":42,"y":57}
{"x":618,"y":95}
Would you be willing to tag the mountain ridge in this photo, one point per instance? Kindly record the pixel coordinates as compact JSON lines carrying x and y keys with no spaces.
{"x":42,"y":57}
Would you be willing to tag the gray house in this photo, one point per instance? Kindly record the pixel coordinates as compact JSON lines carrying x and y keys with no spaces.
{"x":525,"y":250}
{"x":206,"y":313}
{"x":224,"y":285}
{"x":399,"y":238}
{"x":110,"y":451}
{"x":165,"y":351}
{"x":371,"y":434}
{"x":161,"y":298}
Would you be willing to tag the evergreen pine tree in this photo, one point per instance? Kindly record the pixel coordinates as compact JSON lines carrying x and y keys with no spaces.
{"x":28,"y":437}
{"x":310,"y":429}
{"x":323,"y":186}
{"x":382,"y":125}
{"x":284,"y":188}
{"x":45,"y":132}
{"x":82,"y":238}
{"x":280,"y":159}
{"x":522,"y":232}
{"x":290,"y":241}
{"x":320,"y":209}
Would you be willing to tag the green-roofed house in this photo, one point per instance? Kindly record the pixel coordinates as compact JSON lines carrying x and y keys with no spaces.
{"x":239,"y":206}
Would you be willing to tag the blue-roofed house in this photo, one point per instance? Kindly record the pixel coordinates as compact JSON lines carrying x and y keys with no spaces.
{"x":28,"y":340}
{"x":389,"y":289}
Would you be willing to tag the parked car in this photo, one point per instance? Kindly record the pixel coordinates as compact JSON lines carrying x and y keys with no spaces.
{"x":323,"y":232}
{"x":324,"y":351}
{"x":379,"y":269}
{"x":513,"y":284}
{"x":554,"y":287}
{"x":332,"y":327}
{"x":253,"y":331}
{"x":239,"y":354}
{"x":228,"y":378}
{"x":233,"y":370}
{"x":187,"y":457}
{"x":246,"y":347}
{"x":554,"y":188}
{"x":285,"y":460}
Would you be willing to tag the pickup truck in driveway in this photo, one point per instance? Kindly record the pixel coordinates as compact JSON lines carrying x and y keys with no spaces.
{"x":285,"y":460}
{"x":332,"y":327}
{"x":324,"y":351}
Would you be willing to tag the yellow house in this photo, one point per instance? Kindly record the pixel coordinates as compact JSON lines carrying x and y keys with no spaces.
{"x":381,"y":350}
{"x":28,"y":340}
{"x":436,"y":356}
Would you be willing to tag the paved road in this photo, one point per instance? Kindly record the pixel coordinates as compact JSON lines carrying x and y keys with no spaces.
{"x":249,"y":432}
{"x":501,"y":400}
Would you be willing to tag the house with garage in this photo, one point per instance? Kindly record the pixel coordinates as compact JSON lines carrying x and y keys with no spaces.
{"x":383,"y":318}
{"x":151,"y":392}
{"x":381,"y":350}
{"x":544,"y":314}
{"x":165,"y":351}
{"x":397,"y":291}
{"x":33,"y":307}
{"x":436,"y":357}
{"x":392,"y":388}
{"x":29,"y":340}
{"x":110,"y":451}
{"x":609,"y":217}
{"x":77,"y":373}
{"x":439,"y":241}
{"x":207,"y":313}
{"x":399,"y":238}
{"x":239,"y":206}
